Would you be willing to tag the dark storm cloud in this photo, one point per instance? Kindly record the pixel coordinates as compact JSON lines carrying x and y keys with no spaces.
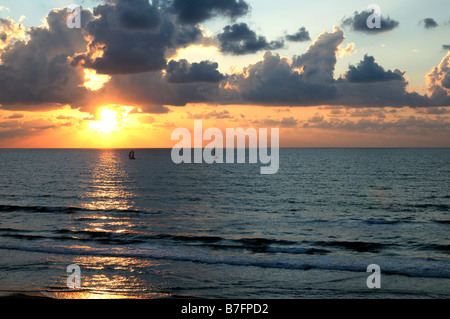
{"x":369,"y":71}
{"x":239,"y":39}
{"x":358,"y":22}
{"x":300,"y":36}
{"x":36,"y":75}
{"x":429,"y":23}
{"x":195,"y":11}
{"x":184,"y":72}
{"x":130,"y":43}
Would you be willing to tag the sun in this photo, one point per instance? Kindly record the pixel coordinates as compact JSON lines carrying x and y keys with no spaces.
{"x":108,"y":121}
{"x":108,"y":117}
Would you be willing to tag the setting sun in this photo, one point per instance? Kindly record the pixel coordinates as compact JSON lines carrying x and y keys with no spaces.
{"x":108,"y":121}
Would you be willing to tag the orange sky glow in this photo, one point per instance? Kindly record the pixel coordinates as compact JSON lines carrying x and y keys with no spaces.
{"x":125,"y":127}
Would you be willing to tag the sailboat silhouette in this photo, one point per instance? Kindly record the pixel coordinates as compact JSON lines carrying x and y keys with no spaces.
{"x":131,"y":155}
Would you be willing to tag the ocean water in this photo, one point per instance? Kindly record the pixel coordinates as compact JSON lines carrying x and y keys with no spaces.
{"x":148,"y":228}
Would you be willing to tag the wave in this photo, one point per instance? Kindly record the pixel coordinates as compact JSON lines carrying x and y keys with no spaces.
{"x":251,"y":244}
{"x":440,"y":207}
{"x":436,"y":247}
{"x":357,"y":246}
{"x":381,"y":221}
{"x":61,"y":209}
{"x":442,"y":221}
{"x":403,"y":267}
{"x":295,"y":250}
{"x":396,"y":208}
{"x":256,"y":245}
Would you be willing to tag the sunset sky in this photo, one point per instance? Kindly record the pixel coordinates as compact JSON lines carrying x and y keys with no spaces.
{"x":136,"y":70}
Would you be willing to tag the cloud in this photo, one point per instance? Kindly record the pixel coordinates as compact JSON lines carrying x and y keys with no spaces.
{"x":309,"y":80}
{"x":184,"y":72}
{"x":9,"y":124}
{"x":146,"y":119}
{"x":239,"y":39}
{"x":369,"y":71}
{"x":196,"y":11}
{"x":63,"y":117}
{"x":358,"y":23}
{"x":166,"y":125}
{"x":137,"y":14}
{"x":35,"y":74}
{"x":411,"y":125}
{"x":10,"y":32}
{"x":438,"y":82}
{"x":300,"y":36}
{"x":319,"y":61}
{"x":151,"y":91}
{"x":348,"y":50}
{"x":125,"y":41}
{"x":274,"y":81}
{"x":367,"y":113}
{"x":210,"y":115}
{"x":286,"y":122}
{"x":15,"y":116}
{"x":429,"y":23}
{"x":378,"y":89}
{"x":12,"y":129}
{"x":435,"y":110}
{"x":3,"y":8}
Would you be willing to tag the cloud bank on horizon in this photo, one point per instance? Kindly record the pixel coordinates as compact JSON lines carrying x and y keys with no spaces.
{"x":43,"y":68}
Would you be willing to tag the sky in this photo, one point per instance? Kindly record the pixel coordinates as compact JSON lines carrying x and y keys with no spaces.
{"x":135,"y":70}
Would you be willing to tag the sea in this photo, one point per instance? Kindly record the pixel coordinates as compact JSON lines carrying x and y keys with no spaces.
{"x":149,"y":229}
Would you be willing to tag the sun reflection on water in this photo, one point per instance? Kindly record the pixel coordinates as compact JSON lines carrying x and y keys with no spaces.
{"x":109,"y":278}
{"x":108,"y":184}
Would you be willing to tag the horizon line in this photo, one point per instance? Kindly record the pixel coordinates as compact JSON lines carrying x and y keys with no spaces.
{"x":169,"y":148}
